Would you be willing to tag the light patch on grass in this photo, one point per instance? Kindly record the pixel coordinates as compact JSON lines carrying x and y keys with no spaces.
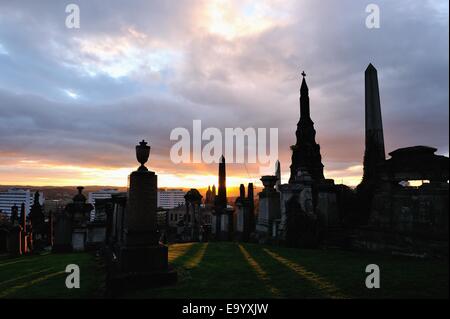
{"x":22,"y":260}
{"x":195,"y":260}
{"x":24,"y":276}
{"x":30,"y":283}
{"x":323,"y":285}
{"x":262,"y":275}
{"x":178,"y":250}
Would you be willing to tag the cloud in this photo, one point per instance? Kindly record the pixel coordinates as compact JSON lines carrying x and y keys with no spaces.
{"x":83,"y":97}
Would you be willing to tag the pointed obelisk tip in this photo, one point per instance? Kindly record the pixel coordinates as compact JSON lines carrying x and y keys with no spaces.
{"x":370,"y":67}
{"x":222,"y":159}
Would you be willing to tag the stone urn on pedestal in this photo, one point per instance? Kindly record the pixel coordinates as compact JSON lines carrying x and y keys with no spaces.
{"x":142,"y":260}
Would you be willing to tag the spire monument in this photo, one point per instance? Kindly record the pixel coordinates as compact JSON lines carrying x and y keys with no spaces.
{"x":306,"y":152}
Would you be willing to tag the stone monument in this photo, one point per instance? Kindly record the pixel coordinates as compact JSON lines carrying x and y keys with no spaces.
{"x":142,"y":260}
{"x":193,"y":200}
{"x":306,"y":152}
{"x":15,"y":234}
{"x":15,"y":240}
{"x":374,"y":154}
{"x":62,"y":232}
{"x":245,"y":220}
{"x":38,"y":226}
{"x":23,"y":224}
{"x":269,"y":207}
{"x":223,"y":214}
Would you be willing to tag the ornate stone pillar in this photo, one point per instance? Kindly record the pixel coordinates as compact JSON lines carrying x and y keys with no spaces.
{"x":269,"y":205}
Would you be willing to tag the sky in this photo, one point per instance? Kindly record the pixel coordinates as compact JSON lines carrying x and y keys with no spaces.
{"x":74,"y":102}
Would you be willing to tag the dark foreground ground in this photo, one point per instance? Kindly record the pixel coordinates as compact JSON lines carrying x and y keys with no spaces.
{"x":232,"y":270}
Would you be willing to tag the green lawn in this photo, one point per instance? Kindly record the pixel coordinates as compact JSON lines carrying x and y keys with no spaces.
{"x":44,"y":276}
{"x":232,"y":270}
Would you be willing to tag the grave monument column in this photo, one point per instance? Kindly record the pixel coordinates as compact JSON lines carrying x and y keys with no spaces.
{"x":142,"y":259}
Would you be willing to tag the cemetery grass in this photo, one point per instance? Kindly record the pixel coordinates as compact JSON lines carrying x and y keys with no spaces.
{"x":44,"y":276}
{"x":233,"y":270}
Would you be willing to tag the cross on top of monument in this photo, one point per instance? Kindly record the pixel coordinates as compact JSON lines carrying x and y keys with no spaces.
{"x":303,"y":74}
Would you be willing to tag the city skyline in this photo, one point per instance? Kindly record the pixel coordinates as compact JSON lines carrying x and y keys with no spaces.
{"x":75,"y":101}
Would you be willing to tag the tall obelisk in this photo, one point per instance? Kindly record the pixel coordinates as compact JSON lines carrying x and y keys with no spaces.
{"x":220,"y":201}
{"x":278,"y":175}
{"x":222,"y":193}
{"x":374,"y":153}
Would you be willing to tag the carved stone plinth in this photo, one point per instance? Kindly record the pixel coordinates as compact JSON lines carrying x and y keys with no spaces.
{"x":141,"y":226}
{"x":143,"y":258}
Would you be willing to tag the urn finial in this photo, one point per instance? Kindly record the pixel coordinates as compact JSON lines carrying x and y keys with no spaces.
{"x":268,"y":181}
{"x":142,"y":154}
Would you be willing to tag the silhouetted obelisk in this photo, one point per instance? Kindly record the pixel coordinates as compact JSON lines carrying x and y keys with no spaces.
{"x":213,"y":192}
{"x":306,"y":152}
{"x":221,"y":200}
{"x":278,"y":175}
{"x":374,"y":152}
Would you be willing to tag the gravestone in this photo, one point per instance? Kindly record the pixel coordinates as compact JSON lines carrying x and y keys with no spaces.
{"x":269,"y":206}
{"x":14,"y":242}
{"x":78,"y":240}
{"x":62,"y":231}
{"x":23,"y":224}
{"x":244,"y":214}
{"x":142,"y":260}
{"x":4,"y":235}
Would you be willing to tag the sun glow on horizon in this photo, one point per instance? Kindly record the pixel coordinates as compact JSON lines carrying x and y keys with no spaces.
{"x":37,"y":173}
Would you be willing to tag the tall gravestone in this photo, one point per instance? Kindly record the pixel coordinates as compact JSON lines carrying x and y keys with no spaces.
{"x":62,"y":232}
{"x":142,"y":259}
{"x":38,"y":226}
{"x":15,"y":234}
{"x":23,"y":224}
{"x":50,"y":228}
{"x":269,"y":206}
{"x":15,"y":241}
{"x":244,"y":214}
{"x":193,"y":200}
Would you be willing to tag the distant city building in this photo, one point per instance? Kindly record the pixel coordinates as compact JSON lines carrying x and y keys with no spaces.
{"x":101,"y":194}
{"x":170,"y":198}
{"x":177,"y":214}
{"x":18,"y":196}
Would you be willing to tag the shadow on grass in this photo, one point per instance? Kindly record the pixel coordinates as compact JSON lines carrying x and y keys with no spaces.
{"x":401,"y":277}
